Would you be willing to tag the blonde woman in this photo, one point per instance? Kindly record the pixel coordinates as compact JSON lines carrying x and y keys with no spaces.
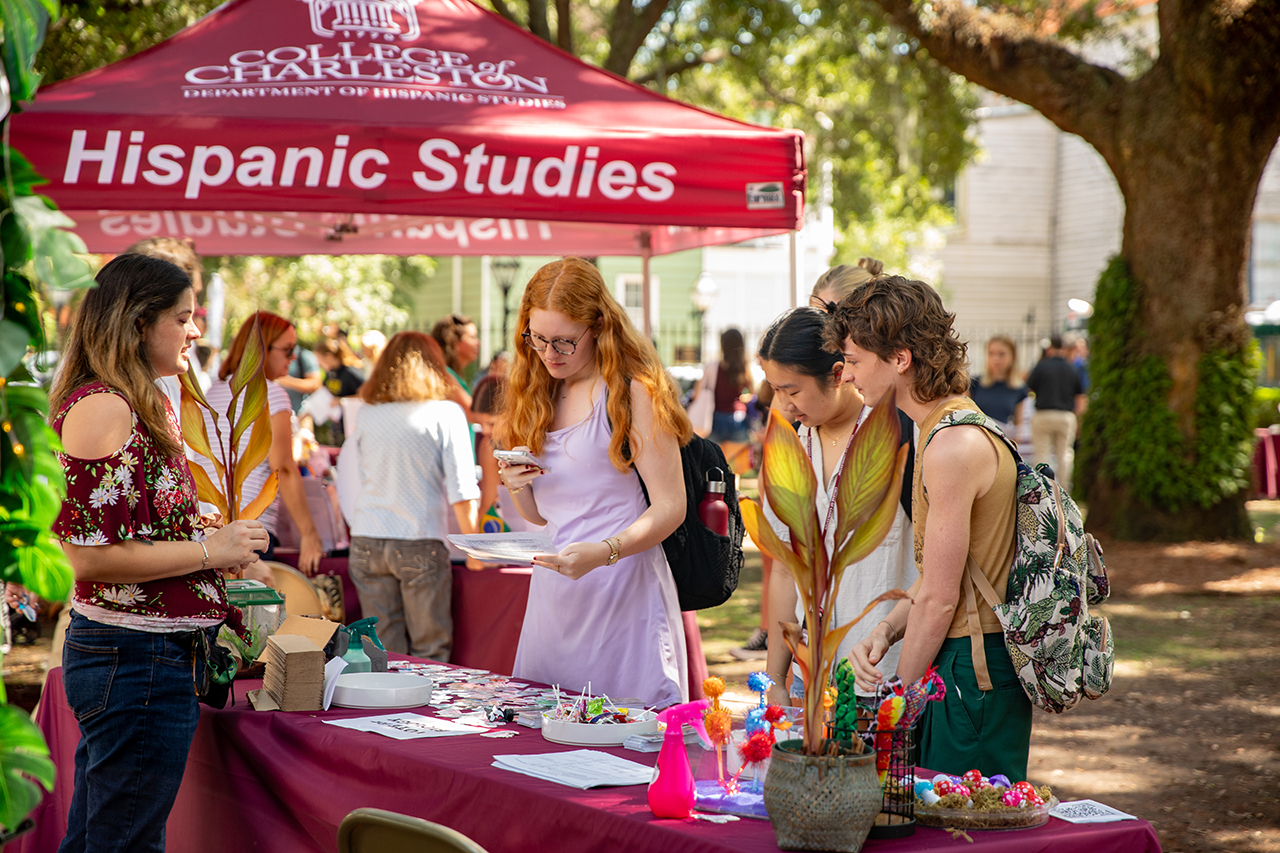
{"x":415,"y":468}
{"x":999,"y":392}
{"x":589,"y":398}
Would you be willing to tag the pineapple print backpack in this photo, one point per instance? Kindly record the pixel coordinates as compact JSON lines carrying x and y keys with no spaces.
{"x":1062,"y":652}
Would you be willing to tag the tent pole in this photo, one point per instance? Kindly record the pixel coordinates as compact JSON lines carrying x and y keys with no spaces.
{"x":795,"y":271}
{"x":646,"y":298}
{"x":486,"y":309}
{"x":457,"y":285}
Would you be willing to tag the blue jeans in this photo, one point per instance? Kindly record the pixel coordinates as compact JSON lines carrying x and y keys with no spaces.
{"x":133,"y":693}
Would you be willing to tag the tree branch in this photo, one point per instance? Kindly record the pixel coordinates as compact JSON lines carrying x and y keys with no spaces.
{"x":538,"y":20}
{"x":1000,"y":53}
{"x":705,"y":58}
{"x":629,"y":30}
{"x":501,"y":7}
{"x":564,"y":26}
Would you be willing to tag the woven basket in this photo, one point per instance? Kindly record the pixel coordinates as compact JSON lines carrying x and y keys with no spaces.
{"x":821,"y":802}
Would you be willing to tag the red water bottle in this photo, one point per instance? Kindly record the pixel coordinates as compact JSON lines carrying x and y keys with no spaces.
{"x":713,"y":511}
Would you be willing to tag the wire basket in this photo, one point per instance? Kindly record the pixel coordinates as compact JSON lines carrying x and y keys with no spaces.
{"x":895,"y":751}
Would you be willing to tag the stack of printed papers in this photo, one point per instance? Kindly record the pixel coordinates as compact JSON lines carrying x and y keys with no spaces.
{"x":1088,"y":811}
{"x":407,"y":726}
{"x":580,"y":768}
{"x":508,"y":548}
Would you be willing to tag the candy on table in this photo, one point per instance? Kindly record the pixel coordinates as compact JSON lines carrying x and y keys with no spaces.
{"x":1012,"y":798}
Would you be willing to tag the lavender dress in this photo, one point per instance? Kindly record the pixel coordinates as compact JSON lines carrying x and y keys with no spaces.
{"x":619,"y":626}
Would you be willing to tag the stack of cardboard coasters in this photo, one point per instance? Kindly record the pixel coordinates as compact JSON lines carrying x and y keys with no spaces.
{"x":294,"y":679}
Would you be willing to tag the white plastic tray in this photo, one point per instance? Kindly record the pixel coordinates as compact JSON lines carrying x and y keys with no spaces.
{"x":382,"y":690}
{"x":597,"y":734}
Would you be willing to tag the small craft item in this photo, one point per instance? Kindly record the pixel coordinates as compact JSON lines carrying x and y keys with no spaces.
{"x":761,"y":722}
{"x":717,"y":721}
{"x":594,"y":721}
{"x":671,"y":793}
{"x":973,"y":801}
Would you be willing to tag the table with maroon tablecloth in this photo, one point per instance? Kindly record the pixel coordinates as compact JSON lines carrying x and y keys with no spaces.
{"x":271,"y":781}
{"x":488,"y":612}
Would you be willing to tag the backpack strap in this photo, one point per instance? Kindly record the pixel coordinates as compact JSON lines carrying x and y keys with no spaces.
{"x":973,"y":575}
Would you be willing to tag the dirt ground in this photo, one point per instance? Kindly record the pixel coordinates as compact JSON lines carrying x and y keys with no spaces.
{"x":1189,"y":735}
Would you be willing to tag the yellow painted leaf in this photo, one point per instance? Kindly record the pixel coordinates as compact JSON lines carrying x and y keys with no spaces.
{"x":868,"y":467}
{"x":253,"y":404}
{"x":872,"y":532}
{"x":191,"y":384}
{"x":205,"y":489}
{"x":251,"y":361}
{"x":791,"y":635}
{"x":256,"y":451}
{"x":195,"y":433}
{"x":788,"y":483}
{"x":263,"y":500}
{"x":762,"y":533}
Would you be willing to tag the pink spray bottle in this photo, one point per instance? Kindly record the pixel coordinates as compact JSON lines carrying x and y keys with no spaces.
{"x":671,"y":793}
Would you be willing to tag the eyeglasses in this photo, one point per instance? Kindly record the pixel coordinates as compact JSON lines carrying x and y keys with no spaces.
{"x":280,"y":349}
{"x":564,"y":346}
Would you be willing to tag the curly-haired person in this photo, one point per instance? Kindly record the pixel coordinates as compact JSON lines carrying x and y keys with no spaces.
{"x":895,"y":333}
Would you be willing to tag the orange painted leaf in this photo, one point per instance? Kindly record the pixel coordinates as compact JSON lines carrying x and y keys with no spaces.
{"x":205,"y":489}
{"x":194,"y":431}
{"x":788,"y":483}
{"x":191,"y":385}
{"x":871,"y":533}
{"x":264,"y":498}
{"x":868,"y":468}
{"x":256,"y":451}
{"x":791,"y":635}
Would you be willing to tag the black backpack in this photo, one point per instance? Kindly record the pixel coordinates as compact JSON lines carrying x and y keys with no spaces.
{"x":705,"y":564}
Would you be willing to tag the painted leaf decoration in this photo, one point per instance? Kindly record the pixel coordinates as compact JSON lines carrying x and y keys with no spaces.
{"x":871,"y":533}
{"x":205,"y":488}
{"x":257,"y":449}
{"x":868,"y":467}
{"x":251,"y":361}
{"x":264,"y":498}
{"x":194,"y":431}
{"x":788,"y":483}
{"x":761,"y":533}
{"x":791,"y":636}
{"x":252,"y":405}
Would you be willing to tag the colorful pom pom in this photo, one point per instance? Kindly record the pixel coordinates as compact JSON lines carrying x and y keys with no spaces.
{"x":713,"y":688}
{"x":759,"y":682}
{"x":756,"y":748}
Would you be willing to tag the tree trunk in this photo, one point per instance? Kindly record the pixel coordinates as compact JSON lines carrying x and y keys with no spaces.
{"x":1189,"y":175}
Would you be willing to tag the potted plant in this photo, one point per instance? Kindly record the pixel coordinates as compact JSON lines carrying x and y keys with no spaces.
{"x":824,"y":794}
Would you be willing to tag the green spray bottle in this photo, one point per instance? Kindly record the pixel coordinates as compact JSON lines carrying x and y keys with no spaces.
{"x":357,"y":660}
{"x":364,"y":634}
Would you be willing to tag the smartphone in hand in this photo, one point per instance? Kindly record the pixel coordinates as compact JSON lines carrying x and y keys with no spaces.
{"x":516,"y":457}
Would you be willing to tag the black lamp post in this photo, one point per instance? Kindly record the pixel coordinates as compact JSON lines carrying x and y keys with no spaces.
{"x":504,"y":272}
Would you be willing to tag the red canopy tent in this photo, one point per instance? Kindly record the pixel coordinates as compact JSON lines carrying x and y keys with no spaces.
{"x":289,"y":127}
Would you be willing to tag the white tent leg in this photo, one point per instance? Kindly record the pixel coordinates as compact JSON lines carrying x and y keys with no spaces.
{"x":795,"y":271}
{"x":457,"y":285}
{"x":646,"y":298}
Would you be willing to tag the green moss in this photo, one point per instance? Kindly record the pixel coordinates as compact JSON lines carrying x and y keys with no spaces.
{"x":1131,"y":436}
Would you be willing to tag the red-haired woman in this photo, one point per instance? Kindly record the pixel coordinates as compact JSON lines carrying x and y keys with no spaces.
{"x":280,"y":338}
{"x":589,"y":398}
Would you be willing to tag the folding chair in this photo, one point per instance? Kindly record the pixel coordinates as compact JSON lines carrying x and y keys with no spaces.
{"x":378,"y":831}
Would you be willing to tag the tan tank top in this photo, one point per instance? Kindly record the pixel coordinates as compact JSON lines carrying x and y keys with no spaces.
{"x":991,"y":526}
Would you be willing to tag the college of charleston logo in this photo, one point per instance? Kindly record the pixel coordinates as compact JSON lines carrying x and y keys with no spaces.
{"x":386,"y":19}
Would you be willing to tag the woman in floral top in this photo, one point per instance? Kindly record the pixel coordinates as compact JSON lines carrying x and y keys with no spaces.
{"x":147,"y":578}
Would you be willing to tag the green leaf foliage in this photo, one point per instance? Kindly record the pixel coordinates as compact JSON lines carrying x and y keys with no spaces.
{"x":24,"y":757}
{"x":1130,"y":435}
{"x":25,"y":23}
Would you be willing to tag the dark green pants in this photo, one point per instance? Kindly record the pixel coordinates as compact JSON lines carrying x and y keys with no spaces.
{"x":970,"y":728}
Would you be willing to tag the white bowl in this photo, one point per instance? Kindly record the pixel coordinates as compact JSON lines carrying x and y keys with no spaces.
{"x":597,"y":734}
{"x":382,"y":690}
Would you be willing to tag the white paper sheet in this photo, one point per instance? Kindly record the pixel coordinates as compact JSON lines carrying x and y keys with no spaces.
{"x":515,"y":547}
{"x":406,"y":726}
{"x":332,"y":670}
{"x":1088,"y":811}
{"x":580,"y":768}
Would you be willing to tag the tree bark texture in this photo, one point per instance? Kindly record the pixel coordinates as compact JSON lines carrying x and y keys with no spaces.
{"x":1187,"y":142}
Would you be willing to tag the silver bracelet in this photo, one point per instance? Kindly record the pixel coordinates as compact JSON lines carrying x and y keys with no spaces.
{"x":204,"y":564}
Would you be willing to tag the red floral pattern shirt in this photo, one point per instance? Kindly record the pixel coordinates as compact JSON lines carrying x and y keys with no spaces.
{"x":137,"y":492}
